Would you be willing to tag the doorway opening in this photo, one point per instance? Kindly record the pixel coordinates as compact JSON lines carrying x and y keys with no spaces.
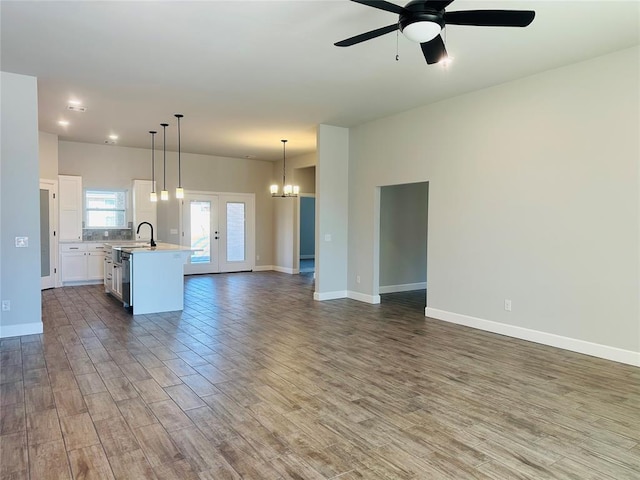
{"x":305,"y":229}
{"x":403,"y":230}
{"x":307,"y":233}
{"x":221,"y":228}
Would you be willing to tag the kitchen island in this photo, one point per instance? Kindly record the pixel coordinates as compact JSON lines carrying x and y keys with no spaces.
{"x":155,"y":277}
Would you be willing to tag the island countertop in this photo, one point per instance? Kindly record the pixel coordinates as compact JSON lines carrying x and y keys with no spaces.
{"x":159,"y":248}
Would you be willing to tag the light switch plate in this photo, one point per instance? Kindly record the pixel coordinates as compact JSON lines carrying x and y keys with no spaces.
{"x":22,"y":242}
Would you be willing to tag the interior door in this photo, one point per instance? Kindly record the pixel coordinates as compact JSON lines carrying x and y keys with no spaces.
{"x":200,"y":232}
{"x":47,"y":234}
{"x":221,"y":228}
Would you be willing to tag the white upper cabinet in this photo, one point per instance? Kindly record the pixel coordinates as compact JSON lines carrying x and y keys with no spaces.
{"x":144,"y":210}
{"x":70,"y":202}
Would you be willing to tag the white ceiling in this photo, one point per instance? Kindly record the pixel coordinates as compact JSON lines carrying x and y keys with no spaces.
{"x":247,"y":73}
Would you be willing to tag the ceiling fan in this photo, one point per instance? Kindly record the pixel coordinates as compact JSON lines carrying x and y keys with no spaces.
{"x":422,"y":21}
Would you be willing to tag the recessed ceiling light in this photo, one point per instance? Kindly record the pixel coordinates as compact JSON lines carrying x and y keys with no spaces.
{"x":64,"y":123}
{"x":76,"y":108}
{"x":113,"y":137}
{"x":446,"y":61}
{"x":75,"y":102}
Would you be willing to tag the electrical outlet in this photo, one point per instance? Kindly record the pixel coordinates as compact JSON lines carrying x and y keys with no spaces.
{"x":6,"y":305}
{"x":357,"y":278}
{"x":257,"y":257}
{"x":507,"y":305}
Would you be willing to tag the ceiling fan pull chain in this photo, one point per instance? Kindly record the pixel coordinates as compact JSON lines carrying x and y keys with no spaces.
{"x":397,"y":47}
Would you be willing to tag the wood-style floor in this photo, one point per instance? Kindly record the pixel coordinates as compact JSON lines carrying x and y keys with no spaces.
{"x":255,"y":380}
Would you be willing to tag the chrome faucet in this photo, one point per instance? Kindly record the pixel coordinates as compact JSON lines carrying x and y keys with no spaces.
{"x":152,"y":243}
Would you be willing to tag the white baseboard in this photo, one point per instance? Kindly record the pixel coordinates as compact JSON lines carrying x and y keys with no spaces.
{"x":307,"y":257}
{"x":20,"y":329}
{"x":329,"y":295}
{"x":363,"y":297}
{"x":263,"y":268}
{"x":291,"y":271}
{"x":406,"y":287}
{"x":572,"y":344}
{"x":81,"y":282}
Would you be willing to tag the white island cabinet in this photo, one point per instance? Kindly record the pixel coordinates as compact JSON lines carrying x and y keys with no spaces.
{"x":157,"y":277}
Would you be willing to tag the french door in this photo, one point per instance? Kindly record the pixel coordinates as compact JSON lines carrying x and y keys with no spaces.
{"x":48,"y":245}
{"x":220,"y":227}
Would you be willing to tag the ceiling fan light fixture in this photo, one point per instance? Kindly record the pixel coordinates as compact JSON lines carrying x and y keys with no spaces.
{"x":421,"y":31}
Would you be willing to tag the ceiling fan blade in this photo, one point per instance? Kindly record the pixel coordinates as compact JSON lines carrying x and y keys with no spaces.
{"x":490,"y":18}
{"x":382,"y":5}
{"x":367,"y":36}
{"x":434,"y":50}
{"x":437,"y":4}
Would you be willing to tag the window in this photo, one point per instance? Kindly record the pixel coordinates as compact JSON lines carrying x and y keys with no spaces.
{"x":105,"y":209}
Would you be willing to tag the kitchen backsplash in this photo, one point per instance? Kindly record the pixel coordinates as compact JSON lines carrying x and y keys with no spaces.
{"x":104,"y":234}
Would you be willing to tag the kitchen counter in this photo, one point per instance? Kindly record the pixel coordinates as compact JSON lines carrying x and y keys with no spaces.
{"x":156,"y":277}
{"x":159,"y":248}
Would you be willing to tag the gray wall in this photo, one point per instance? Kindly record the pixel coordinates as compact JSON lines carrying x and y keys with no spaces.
{"x":332,"y":201}
{"x":109,"y":166}
{"x":19,"y":206}
{"x":403,"y":234}
{"x":48,"y":155}
{"x":284,"y":227}
{"x":533,"y":197}
{"x":305,"y":178}
{"x":307,"y":227}
{"x":285,"y":212}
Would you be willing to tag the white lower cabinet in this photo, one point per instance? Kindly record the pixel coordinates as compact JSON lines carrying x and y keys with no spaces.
{"x":82,"y":262}
{"x":73,"y":264}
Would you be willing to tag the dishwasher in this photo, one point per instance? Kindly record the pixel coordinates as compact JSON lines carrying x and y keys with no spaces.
{"x":127,"y":262}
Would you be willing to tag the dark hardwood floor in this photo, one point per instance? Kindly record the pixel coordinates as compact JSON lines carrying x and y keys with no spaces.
{"x":256,"y":380}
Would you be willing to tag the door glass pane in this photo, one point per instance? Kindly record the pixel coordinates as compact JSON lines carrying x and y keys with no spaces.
{"x":201,"y":231}
{"x":235,"y":232}
{"x":44,"y":233}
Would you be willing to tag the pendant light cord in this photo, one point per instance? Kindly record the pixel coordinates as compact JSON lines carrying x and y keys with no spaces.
{"x":164,"y":149}
{"x":179,"y":116}
{"x":284,"y":162}
{"x":153,"y":161}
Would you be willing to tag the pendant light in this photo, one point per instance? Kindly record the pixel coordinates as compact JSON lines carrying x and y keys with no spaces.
{"x":164,"y":194}
{"x":179,"y":189}
{"x":153,"y":196}
{"x":287,"y":190}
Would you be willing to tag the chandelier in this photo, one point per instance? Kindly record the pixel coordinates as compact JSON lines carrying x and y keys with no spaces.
{"x":287,"y":190}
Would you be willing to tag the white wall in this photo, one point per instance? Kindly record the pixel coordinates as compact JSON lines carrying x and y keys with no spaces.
{"x":109,"y":166}
{"x":332,"y":200}
{"x":19,"y":206}
{"x":403,"y":237}
{"x":533,"y":197}
{"x":48,"y":155}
